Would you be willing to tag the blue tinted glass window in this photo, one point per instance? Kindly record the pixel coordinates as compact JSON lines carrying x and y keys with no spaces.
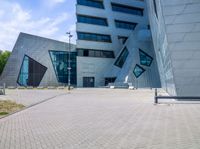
{"x":60,"y":63}
{"x":93,"y":37}
{"x":122,"y":58}
{"x":31,"y":72}
{"x":91,"y":3}
{"x":95,"y":53}
{"x":125,"y":25}
{"x":127,"y":9}
{"x":92,"y":20}
{"x":138,"y":71}
{"x":145,"y":59}
{"x":23,"y":77}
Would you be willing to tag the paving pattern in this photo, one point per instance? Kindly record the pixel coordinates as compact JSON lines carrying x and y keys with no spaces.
{"x":103,"y":119}
{"x":28,"y":97}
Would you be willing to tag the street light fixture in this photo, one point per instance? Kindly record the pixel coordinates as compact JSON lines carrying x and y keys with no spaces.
{"x":69,"y":60}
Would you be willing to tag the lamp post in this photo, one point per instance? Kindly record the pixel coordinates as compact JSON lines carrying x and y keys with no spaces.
{"x":69,"y":60}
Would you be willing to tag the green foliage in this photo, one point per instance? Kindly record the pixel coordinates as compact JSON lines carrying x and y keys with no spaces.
{"x":4,"y":113}
{"x":3,"y":59}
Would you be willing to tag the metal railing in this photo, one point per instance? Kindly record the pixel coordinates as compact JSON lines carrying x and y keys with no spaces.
{"x":183,"y":98}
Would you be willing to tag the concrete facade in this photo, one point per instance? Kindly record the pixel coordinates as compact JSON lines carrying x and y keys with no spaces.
{"x":176,"y":36}
{"x":36,"y":48}
{"x":172,"y":41}
{"x":140,"y":37}
{"x":92,"y":67}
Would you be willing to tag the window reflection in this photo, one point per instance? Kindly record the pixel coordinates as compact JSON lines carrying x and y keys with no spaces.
{"x":31,"y":72}
{"x":60,"y":63}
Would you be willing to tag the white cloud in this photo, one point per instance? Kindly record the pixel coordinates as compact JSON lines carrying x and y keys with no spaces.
{"x":19,"y":20}
{"x":72,"y":28}
{"x":65,"y":38}
{"x":1,"y":13}
{"x":52,"y":3}
{"x":58,"y":1}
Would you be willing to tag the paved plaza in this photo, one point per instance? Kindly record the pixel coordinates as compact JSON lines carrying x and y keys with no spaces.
{"x":31,"y":96}
{"x":101,"y":119}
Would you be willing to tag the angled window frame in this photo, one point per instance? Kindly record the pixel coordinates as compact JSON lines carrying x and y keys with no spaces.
{"x":143,"y":70}
{"x":22,"y":64}
{"x":122,"y":57}
{"x":147,"y":55}
{"x":55,"y":71}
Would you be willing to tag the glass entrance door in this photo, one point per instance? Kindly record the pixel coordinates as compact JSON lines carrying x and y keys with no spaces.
{"x":88,"y":81}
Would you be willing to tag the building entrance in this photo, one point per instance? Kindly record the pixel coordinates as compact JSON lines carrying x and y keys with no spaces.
{"x":88,"y":81}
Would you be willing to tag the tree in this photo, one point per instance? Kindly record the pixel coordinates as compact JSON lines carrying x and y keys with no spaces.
{"x":3,"y":59}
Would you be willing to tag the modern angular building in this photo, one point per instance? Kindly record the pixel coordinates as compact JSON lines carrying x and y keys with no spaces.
{"x":175,"y":27}
{"x":154,"y":43}
{"x":145,"y":43}
{"x":114,"y":44}
{"x":37,"y":61}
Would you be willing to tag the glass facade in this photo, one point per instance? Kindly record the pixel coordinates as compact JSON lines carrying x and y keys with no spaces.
{"x":94,"y":37}
{"x":125,"y":25}
{"x":92,"y":20}
{"x":95,"y":53}
{"x":60,"y":63}
{"x":31,"y":72}
{"x":138,"y":71}
{"x":127,"y":9}
{"x":91,"y":3}
{"x":122,"y":58}
{"x":145,"y":59}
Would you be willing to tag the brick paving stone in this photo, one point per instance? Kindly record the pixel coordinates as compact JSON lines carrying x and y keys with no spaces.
{"x":30,"y":96}
{"x":102,"y":119}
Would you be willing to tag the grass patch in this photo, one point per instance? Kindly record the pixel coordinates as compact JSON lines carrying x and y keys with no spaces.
{"x":4,"y":113}
{"x":8,"y":106}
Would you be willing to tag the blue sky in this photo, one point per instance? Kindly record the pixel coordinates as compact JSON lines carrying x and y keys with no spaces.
{"x":47,"y":18}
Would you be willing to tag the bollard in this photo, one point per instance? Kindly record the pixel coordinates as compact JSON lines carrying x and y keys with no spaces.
{"x":68,"y":87}
{"x":4,"y":89}
{"x":155,"y":97}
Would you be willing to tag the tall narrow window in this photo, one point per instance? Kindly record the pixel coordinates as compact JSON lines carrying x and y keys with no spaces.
{"x":155,"y":8}
{"x":138,"y":71}
{"x":122,"y":58}
{"x":60,"y":64}
{"x":145,"y":59}
{"x":31,"y":72}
